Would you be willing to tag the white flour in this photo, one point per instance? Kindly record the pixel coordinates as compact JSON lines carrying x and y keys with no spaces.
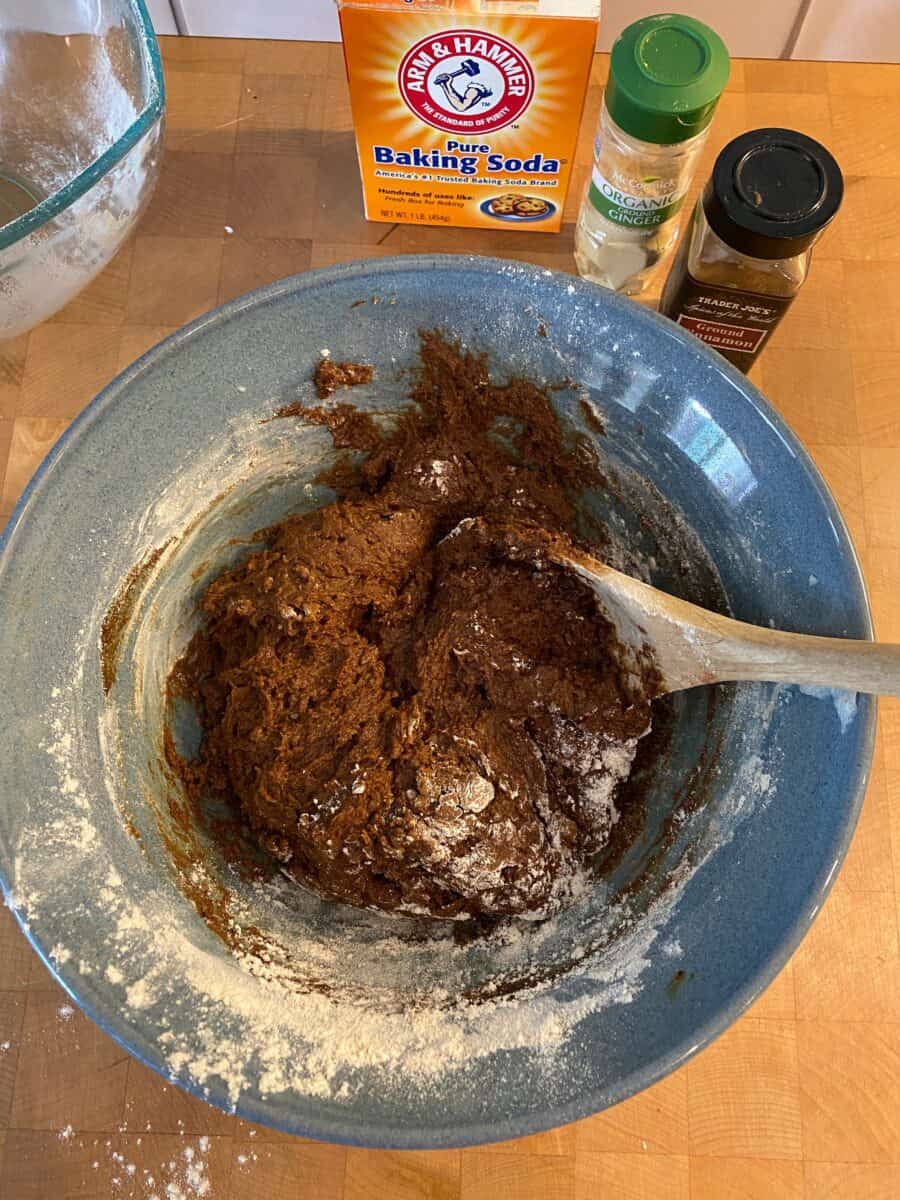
{"x":178,"y":1170}
{"x":844,"y":702}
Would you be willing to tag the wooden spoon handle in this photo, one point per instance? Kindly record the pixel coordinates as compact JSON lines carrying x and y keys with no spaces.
{"x":748,"y":652}
{"x":692,"y":645}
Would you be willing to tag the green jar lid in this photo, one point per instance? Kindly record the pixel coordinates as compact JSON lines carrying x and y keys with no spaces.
{"x":665,"y":78}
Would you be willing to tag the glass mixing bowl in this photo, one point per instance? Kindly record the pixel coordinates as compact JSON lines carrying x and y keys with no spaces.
{"x":81,"y":96}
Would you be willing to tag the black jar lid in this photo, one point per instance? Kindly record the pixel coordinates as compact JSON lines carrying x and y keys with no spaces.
{"x":772,"y":192}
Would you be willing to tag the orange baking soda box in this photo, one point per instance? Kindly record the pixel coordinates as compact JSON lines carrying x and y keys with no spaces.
{"x":467,"y":111}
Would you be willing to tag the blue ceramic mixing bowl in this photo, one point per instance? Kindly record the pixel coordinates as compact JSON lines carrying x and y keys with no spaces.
{"x":356,"y":1026}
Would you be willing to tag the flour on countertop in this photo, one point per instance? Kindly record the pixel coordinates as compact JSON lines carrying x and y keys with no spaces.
{"x":176,"y":1171}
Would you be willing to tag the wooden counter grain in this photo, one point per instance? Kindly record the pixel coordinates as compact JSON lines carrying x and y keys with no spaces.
{"x":801,"y":1099}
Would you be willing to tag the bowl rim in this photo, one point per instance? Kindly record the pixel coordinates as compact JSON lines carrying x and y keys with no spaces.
{"x":386,"y":1135}
{"x":51,"y":206}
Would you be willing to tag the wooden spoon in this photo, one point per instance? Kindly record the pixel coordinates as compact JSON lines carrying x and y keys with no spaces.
{"x":693,"y":646}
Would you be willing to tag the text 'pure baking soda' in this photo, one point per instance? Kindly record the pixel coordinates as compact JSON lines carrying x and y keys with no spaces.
{"x":467,"y":111}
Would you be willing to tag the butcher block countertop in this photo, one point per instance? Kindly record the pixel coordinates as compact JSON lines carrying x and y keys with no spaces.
{"x":800,"y":1100}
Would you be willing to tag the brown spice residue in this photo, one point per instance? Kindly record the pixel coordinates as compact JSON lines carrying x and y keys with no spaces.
{"x":328,"y":377}
{"x":350,"y":429}
{"x":120,"y":612}
{"x":592,"y":418}
{"x":331,"y":375}
{"x":673,"y":987}
{"x":295,"y":409}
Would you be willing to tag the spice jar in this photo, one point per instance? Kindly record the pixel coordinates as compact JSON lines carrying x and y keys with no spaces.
{"x":666,"y":74}
{"x":748,"y":250}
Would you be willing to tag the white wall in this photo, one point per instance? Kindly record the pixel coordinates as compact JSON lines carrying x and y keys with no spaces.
{"x":863,"y":30}
{"x":305,"y":20}
{"x":162,"y":16}
{"x":76,"y":16}
{"x":852,"y":30}
{"x":749,"y":28}
{"x":757,"y":28}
